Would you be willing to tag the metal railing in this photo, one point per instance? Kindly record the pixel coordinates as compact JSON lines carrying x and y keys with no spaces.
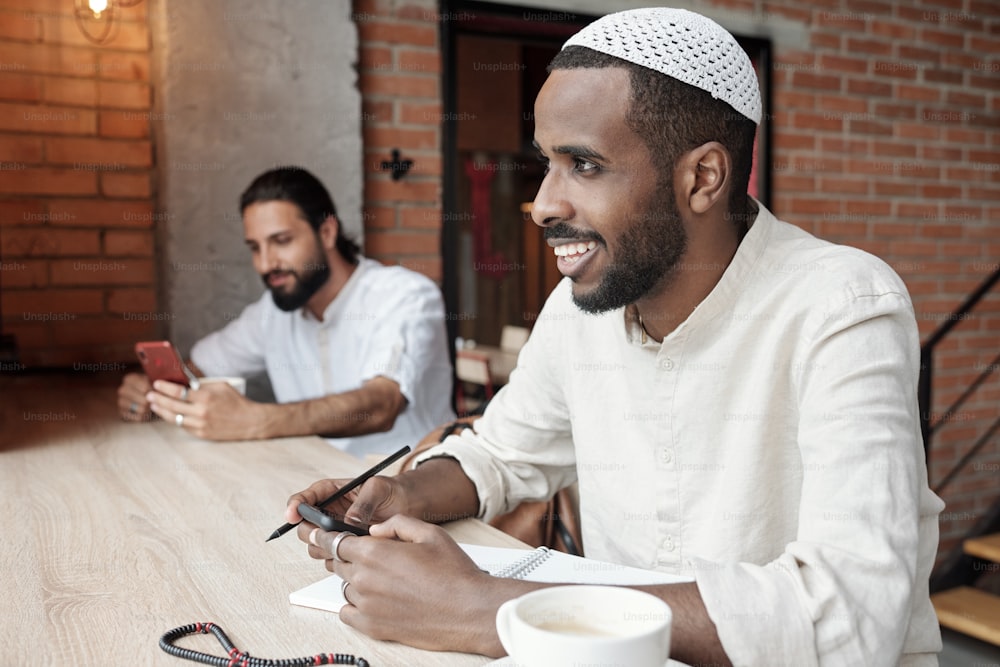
{"x":925,"y":386}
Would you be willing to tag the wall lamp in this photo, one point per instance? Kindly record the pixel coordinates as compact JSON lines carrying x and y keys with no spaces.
{"x":98,"y":20}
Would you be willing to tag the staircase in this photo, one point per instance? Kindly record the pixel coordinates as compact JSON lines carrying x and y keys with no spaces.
{"x":961,"y":606}
{"x":969,"y":610}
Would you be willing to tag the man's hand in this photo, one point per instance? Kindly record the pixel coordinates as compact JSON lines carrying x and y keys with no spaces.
{"x":132,"y":403}
{"x":376,"y":500}
{"x":214,"y":411}
{"x":410,"y":582}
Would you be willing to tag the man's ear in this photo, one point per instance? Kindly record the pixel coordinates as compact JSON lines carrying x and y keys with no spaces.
{"x":328,"y":232}
{"x":706,"y":176}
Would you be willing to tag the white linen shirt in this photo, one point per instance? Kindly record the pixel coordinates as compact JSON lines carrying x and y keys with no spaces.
{"x":386,"y":321}
{"x":769,"y":447}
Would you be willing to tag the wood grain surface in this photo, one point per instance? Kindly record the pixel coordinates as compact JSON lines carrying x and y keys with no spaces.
{"x":114,"y":533}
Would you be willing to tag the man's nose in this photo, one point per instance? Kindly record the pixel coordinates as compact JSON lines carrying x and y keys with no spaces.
{"x":551,"y":204}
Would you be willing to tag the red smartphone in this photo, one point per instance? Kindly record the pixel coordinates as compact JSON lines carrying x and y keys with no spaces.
{"x":161,"y":362}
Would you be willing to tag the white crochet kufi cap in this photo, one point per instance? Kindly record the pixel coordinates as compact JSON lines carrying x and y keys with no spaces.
{"x":683,"y":45}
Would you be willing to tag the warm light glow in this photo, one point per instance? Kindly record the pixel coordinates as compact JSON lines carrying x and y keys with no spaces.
{"x":97,"y":6}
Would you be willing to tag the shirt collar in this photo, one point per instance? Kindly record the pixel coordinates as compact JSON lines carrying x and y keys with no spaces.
{"x":725,"y":292}
{"x":343,"y":296}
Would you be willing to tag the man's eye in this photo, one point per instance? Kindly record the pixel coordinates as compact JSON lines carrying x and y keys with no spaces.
{"x":584,"y":166}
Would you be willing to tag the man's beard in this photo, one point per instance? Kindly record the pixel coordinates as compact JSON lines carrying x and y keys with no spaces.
{"x":646,"y":255}
{"x":306,"y":284}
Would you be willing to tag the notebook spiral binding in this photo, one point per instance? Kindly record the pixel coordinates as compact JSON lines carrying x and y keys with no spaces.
{"x":522,"y":567}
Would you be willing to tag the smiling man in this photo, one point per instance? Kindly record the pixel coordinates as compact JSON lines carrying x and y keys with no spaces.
{"x":355,"y":351}
{"x":736,"y":398}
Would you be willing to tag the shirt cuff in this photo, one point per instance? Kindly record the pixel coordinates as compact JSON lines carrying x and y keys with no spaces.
{"x":478,"y":466}
{"x":757,"y":613}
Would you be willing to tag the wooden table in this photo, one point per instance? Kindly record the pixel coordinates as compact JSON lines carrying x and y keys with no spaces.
{"x":114,"y":533}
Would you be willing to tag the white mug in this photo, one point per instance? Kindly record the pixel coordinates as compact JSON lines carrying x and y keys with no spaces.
{"x":564,"y":626}
{"x":237,"y":383}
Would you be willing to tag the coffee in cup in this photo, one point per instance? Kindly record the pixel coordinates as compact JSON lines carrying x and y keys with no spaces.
{"x":577,"y":625}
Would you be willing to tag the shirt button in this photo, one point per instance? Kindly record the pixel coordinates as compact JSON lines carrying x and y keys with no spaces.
{"x":666,"y":456}
{"x":668,"y":544}
{"x":667,"y":364}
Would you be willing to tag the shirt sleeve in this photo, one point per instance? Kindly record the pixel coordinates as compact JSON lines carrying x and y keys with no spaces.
{"x":409,"y":326}
{"x":841,"y":593}
{"x":522,"y":447}
{"x":238,"y":348}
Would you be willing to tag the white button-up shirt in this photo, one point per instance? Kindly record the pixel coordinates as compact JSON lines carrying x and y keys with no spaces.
{"x":386,"y":321}
{"x":769,"y":447}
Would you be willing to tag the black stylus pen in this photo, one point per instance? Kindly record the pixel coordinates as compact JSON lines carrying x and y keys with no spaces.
{"x":350,"y":486}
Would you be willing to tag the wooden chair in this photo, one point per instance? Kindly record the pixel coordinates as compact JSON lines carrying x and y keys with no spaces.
{"x":472,"y":372}
{"x":512,"y":338}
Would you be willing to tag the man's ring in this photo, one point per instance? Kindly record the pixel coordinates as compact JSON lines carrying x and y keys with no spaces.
{"x":184,"y":393}
{"x":336,"y":545}
{"x":179,"y":419}
{"x":343,"y":590}
{"x":133,"y":407}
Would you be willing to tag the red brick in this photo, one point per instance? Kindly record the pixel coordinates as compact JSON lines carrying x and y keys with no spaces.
{"x":794,"y":99}
{"x":869,"y":88}
{"x":44,"y":181}
{"x":908,"y":52}
{"x":377,"y":111}
{"x":46,"y":120}
{"x":895,"y":189}
{"x":893,"y":149}
{"x":983,"y":44}
{"x":99,"y":154}
{"x":946,"y":38}
{"x":20,"y":87}
{"x":20,"y":149}
{"x":379,"y":217}
{"x":826,"y":121}
{"x":886,"y":111}
{"x":20,"y":26}
{"x":123,"y":124}
{"x":913,"y":248}
{"x":825,"y":40}
{"x":897,"y":31}
{"x":842,"y":145}
{"x":954,"y":59}
{"x":843,"y":185}
{"x":24,"y":273}
{"x":784,"y":140}
{"x":940,"y":191}
{"x":394,"y":32}
{"x":375,"y":58}
{"x":420,"y":113}
{"x":784,"y":182}
{"x":45,"y":305}
{"x":896,"y":69}
{"x":961,"y":98}
{"x":802,"y":79}
{"x":918,"y":93}
{"x":815,"y":206}
{"x":961,"y":135}
{"x":70,"y":91}
{"x":132,"y":300}
{"x":868,"y":208}
{"x":48,"y":59}
{"x":106,"y":213}
{"x":873,"y":47}
{"x":46,"y":242}
{"x":862,"y":126}
{"x":124,"y":66}
{"x":939,"y":75}
{"x":423,"y":217}
{"x":883,"y":229}
{"x":392,"y":137}
{"x":829,"y":103}
{"x":421,"y":62}
{"x":128,"y":243}
{"x":126,"y":185}
{"x":103,"y":271}
{"x":923,"y":210}
{"x":918,"y":130}
{"x":123,"y":95}
{"x":103,"y":332}
{"x":402,"y":243}
{"x":838,"y":63}
{"x":22,"y":211}
{"x":398,"y":85}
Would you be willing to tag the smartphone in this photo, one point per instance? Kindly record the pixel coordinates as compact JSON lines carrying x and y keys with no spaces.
{"x":327,"y":521}
{"x":160,"y":361}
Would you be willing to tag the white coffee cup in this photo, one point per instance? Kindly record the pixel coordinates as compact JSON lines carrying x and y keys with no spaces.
{"x":586,"y":625}
{"x":237,"y":383}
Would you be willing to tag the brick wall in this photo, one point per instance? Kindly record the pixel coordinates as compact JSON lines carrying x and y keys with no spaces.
{"x":76,"y":160}
{"x":400,"y":79}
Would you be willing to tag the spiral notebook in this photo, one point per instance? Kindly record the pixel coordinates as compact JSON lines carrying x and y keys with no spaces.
{"x":541,"y":564}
